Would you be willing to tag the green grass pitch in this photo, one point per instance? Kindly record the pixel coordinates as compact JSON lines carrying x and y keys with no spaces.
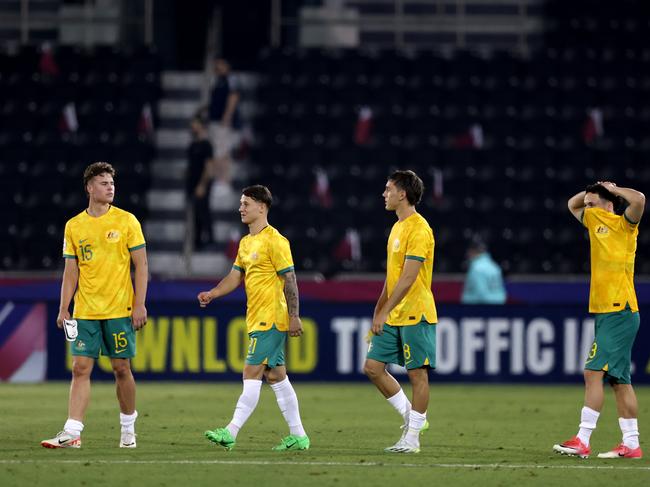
{"x":480,"y":435}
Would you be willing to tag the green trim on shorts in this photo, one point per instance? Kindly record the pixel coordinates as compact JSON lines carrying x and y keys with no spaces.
{"x":237,"y":268}
{"x":137,"y":247}
{"x":284,"y":271}
{"x":114,"y":338}
{"x":414,"y":257}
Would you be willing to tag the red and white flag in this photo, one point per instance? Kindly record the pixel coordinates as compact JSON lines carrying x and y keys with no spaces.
{"x":47,"y":64}
{"x":349,"y":248}
{"x":145,"y":123}
{"x":321,"y":190}
{"x":363,"y":128}
{"x":593,"y":126}
{"x":233,"y":244}
{"x":68,"y":121}
{"x":472,"y":139}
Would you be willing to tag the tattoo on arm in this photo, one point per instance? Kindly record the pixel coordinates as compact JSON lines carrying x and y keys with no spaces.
{"x":291,"y":293}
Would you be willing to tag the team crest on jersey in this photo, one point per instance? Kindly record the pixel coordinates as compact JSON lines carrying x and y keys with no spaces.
{"x":113,"y":236}
{"x":396,"y":245}
{"x":602,"y":231}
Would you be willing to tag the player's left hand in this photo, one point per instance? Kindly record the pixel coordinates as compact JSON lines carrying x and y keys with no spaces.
{"x":378,"y":323}
{"x":295,"y":326}
{"x":139,"y":317}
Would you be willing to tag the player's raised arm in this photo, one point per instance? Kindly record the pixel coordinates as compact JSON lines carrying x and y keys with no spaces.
{"x":68,"y":287}
{"x":635,"y":199}
{"x":227,"y":285}
{"x":576,"y":205}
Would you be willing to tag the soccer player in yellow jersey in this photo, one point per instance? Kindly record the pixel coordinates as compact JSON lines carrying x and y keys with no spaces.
{"x":403,"y":324}
{"x":264,"y":259}
{"x":99,"y":245}
{"x":612,"y":299}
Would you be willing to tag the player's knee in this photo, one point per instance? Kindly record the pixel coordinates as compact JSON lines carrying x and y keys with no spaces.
{"x":372,"y":371}
{"x":81,"y":369}
{"x":121,"y":368}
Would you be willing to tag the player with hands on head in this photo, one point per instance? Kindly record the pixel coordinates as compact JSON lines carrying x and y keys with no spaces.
{"x":612,"y":299}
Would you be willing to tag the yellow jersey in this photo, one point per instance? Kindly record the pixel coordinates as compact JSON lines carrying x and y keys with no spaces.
{"x":411,"y":238}
{"x":613,"y":248}
{"x":264,"y":258}
{"x":102,"y":248}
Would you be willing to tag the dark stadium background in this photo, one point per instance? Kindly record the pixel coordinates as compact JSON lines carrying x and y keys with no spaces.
{"x":504,"y":108}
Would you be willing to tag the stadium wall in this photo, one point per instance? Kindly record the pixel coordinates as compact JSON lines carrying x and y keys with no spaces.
{"x":542,"y":335}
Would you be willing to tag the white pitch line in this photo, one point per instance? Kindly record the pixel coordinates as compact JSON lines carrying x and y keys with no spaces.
{"x":495,"y":466}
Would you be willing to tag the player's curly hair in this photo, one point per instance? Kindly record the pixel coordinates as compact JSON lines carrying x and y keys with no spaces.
{"x":259,"y":193}
{"x":95,"y":169}
{"x":409,"y":182}
{"x":618,"y":202}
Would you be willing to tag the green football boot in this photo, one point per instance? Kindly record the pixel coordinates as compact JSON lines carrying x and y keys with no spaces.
{"x":221,"y":436}
{"x":293,"y":442}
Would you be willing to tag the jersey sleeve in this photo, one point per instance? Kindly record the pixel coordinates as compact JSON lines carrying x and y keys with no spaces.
{"x":627,"y":224}
{"x":69,"y":249}
{"x":135,"y":238}
{"x":419,"y":245}
{"x":239,"y":265}
{"x":281,"y":255}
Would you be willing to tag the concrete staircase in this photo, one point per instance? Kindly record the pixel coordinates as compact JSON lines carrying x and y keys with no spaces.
{"x":166,"y":228}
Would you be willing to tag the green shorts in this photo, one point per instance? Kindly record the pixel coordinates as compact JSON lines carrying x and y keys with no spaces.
{"x":412,"y":346}
{"x":115,"y":338}
{"x":266,"y":347}
{"x":612,"y":348}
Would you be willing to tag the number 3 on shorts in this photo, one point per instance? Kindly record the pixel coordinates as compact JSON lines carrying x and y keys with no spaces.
{"x":592,"y":352}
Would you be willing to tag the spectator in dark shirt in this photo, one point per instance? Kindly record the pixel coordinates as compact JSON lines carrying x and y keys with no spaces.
{"x":200,"y":171}
{"x":225,"y":123}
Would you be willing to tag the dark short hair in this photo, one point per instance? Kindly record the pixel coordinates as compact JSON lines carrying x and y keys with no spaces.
{"x":95,"y":169}
{"x":409,"y":182}
{"x":259,"y":193}
{"x":605,"y":194}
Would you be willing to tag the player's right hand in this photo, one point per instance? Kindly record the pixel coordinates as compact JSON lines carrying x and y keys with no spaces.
{"x":204,"y":298}
{"x":63,"y":315}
